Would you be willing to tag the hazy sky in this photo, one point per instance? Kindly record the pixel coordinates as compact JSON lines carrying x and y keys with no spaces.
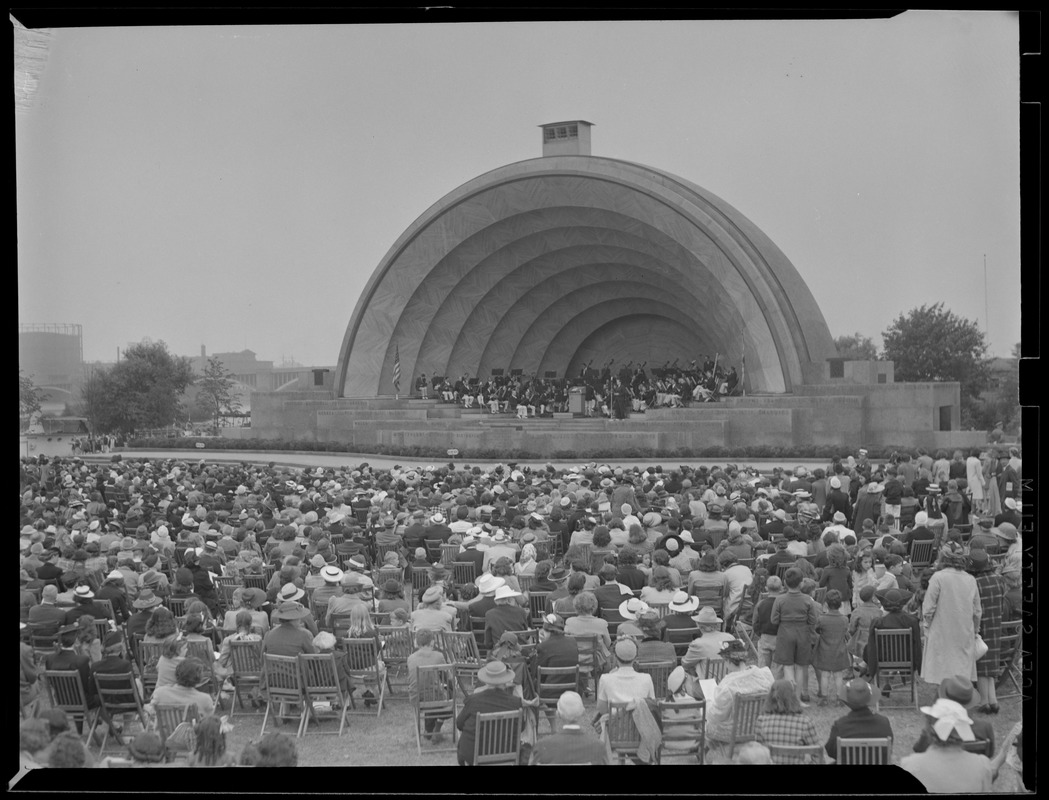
{"x":236,"y":187}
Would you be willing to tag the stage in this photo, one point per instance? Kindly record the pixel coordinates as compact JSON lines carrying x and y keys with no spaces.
{"x":852,"y":416}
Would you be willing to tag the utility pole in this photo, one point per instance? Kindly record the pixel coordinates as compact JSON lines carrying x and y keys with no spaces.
{"x":986,"y":322}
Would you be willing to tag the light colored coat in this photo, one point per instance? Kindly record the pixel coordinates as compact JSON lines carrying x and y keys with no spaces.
{"x":951,"y":614}
{"x":974,"y":477}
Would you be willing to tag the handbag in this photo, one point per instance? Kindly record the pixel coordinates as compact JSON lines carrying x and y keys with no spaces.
{"x":981,"y":647}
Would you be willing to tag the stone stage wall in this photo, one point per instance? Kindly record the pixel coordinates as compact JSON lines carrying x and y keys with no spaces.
{"x":903,"y":414}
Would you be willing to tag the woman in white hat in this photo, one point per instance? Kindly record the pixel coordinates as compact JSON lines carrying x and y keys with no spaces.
{"x":946,"y":767}
{"x":506,"y":616}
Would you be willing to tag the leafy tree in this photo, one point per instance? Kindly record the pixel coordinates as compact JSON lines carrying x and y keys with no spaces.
{"x":29,"y":395}
{"x":931,"y":343}
{"x":144,"y":390}
{"x":856,"y":347}
{"x":216,"y":393}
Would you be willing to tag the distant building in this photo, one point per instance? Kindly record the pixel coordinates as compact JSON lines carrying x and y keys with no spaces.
{"x":52,"y":354}
{"x":259,"y":376}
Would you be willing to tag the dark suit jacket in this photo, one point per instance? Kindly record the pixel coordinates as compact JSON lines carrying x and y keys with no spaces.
{"x":117,"y":598}
{"x":485,"y":702}
{"x":857,"y":724}
{"x":68,"y":660}
{"x":77,"y":611}
{"x":570,"y":746}
{"x":609,"y":595}
{"x":474,"y":556}
{"x":558,"y":651}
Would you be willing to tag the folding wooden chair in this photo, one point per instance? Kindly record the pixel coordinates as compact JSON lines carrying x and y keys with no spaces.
{"x":340,"y":626}
{"x":525,"y":582}
{"x":681,"y":638}
{"x":362,"y":665}
{"x":448,"y":553}
{"x":398,"y":645}
{"x":66,"y":691}
{"x":463,"y":572}
{"x":118,"y":696}
{"x":781,"y":569}
{"x":380,"y":617}
{"x":477,"y":626}
{"x":382,"y":549}
{"x":551,"y":683}
{"x":745,"y":712}
{"x":620,"y":732}
{"x":714,"y":669}
{"x":921,"y":553}
{"x":658,"y":670}
{"x":320,"y":684}
{"x":246,"y":659}
{"x":226,"y":586}
{"x":537,"y":606}
{"x":420,"y":580}
{"x":661,"y":609}
{"x":256,"y":582}
{"x":168,"y":717}
{"x":895,"y":655}
{"x":745,"y":633}
{"x":864,"y":752}
{"x":148,"y":655}
{"x":283,"y":690}
{"x":613,"y":618}
{"x":460,"y":650}
{"x":583,"y":553}
{"x":497,"y":740}
{"x":42,"y":639}
{"x":1011,"y":655}
{"x":177,"y":605}
{"x":433,"y":549}
{"x":713,"y":596}
{"x":591,"y":660}
{"x":107,"y":606}
{"x":436,"y":701}
{"x":684,"y":730}
{"x":797,"y":754}
{"x":530,"y":636}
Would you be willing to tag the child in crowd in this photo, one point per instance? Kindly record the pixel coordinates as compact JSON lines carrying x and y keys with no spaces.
{"x":863,"y":615}
{"x":831,"y":658}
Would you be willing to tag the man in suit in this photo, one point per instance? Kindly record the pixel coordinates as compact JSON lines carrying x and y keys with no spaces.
{"x":82,"y":597}
{"x":48,"y":570}
{"x":860,"y":722}
{"x":144,"y":605}
{"x":66,"y":658}
{"x":471,"y":555}
{"x":572,"y":745}
{"x":47,"y":613}
{"x":837,"y":501}
{"x":919,"y":532}
{"x":497,"y":695}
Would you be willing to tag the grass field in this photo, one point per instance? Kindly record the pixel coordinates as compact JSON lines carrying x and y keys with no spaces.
{"x":390,"y":740}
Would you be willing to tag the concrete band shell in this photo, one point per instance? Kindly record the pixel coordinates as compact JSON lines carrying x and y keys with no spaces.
{"x":545,"y":264}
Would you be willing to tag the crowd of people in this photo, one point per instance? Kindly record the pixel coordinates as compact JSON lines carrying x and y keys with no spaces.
{"x":610,"y":392}
{"x":770,"y":582}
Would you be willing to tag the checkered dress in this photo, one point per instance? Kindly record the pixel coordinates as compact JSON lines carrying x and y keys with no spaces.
{"x":787,"y":730}
{"x":992,"y":599}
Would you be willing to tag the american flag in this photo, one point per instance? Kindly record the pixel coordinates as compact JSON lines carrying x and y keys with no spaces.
{"x":397,"y":369}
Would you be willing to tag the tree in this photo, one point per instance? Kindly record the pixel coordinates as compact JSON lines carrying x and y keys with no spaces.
{"x":856,"y":347}
{"x":931,"y":343}
{"x":216,"y":391}
{"x":29,"y":396}
{"x":144,"y":390}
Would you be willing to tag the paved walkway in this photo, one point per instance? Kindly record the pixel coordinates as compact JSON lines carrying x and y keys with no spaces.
{"x":303,"y":459}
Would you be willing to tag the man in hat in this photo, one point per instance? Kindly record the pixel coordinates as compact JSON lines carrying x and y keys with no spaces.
{"x":506,"y":615}
{"x":437,"y":528}
{"x":572,"y":745}
{"x":960,"y":689}
{"x":500,"y":547}
{"x":556,"y":650}
{"x":469,"y":554}
{"x":66,"y":658}
{"x":351,"y":593}
{"x":558,"y":576}
{"x":860,"y":722}
{"x":708,"y":645}
{"x":1009,"y":536}
{"x":114,"y":662}
{"x":83,"y":599}
{"x":920,"y":531}
{"x":496,"y":695}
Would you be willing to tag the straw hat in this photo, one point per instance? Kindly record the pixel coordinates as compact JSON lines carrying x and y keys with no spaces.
{"x":707,"y":616}
{"x":495,"y":673}
{"x":630,"y":608}
{"x":682,"y":602}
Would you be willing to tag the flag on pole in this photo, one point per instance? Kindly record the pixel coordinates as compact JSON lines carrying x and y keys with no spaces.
{"x":397,"y":369}
{"x":743,"y":369}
